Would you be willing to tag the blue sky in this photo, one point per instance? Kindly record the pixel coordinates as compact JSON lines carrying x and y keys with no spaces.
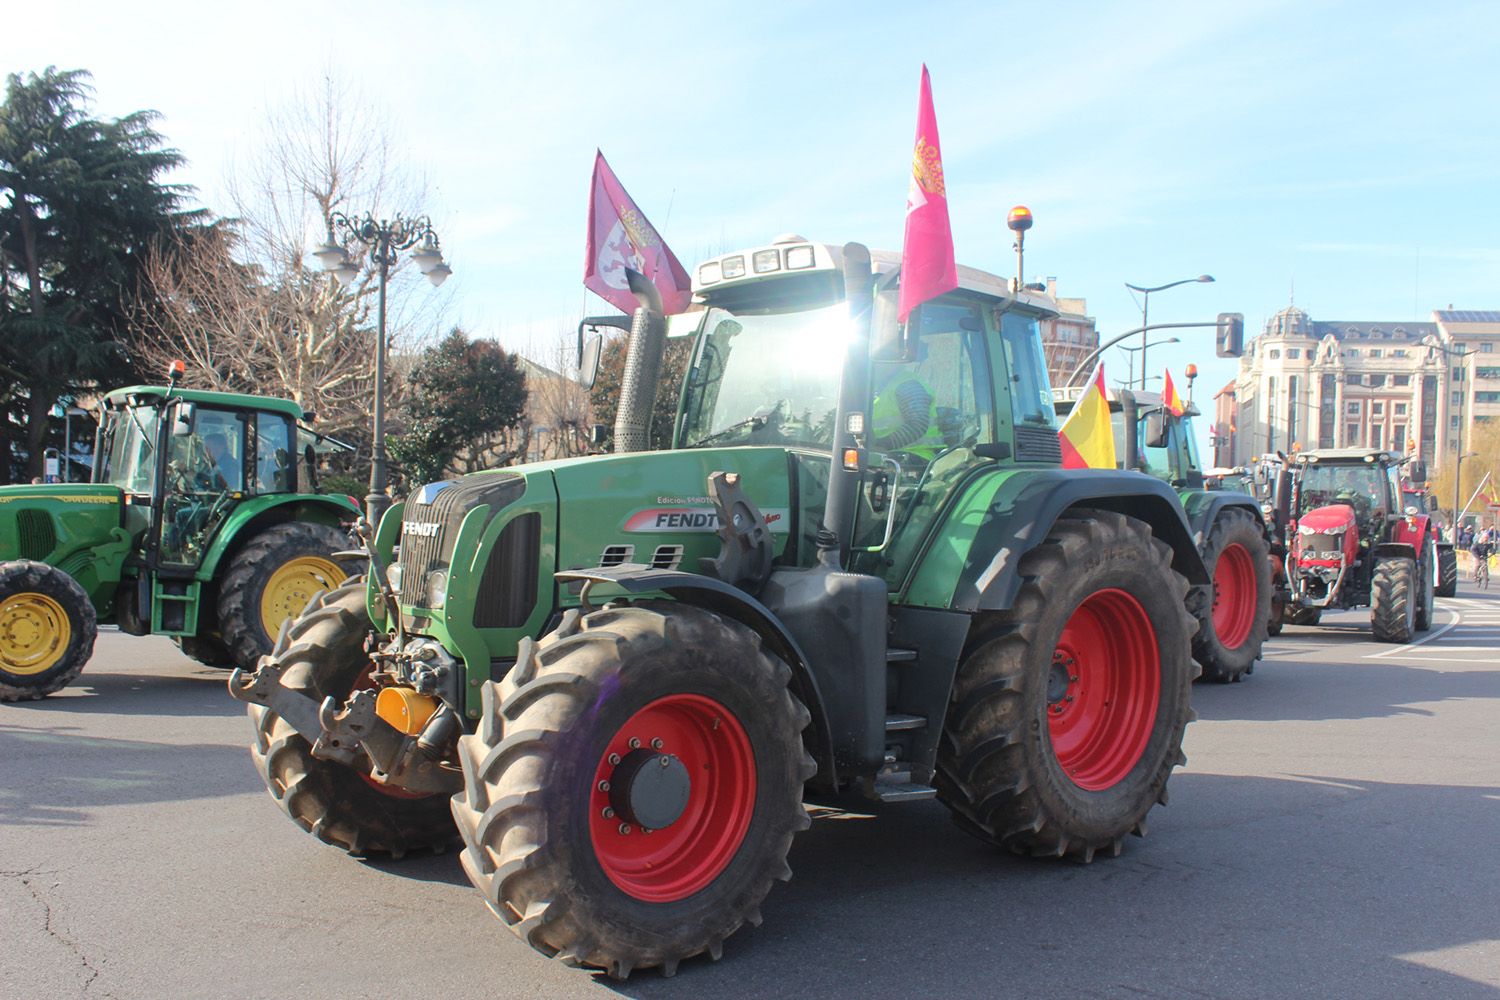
{"x":1348,"y":150}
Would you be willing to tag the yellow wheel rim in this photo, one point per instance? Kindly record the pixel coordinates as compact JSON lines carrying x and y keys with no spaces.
{"x":292,"y":585}
{"x":34,"y":633}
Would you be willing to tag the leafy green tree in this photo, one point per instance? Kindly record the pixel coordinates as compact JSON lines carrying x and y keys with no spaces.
{"x":605,"y":395}
{"x":80,"y":201}
{"x":464,"y":410}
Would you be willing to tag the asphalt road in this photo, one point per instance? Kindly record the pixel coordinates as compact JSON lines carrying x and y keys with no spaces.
{"x":1333,"y":835}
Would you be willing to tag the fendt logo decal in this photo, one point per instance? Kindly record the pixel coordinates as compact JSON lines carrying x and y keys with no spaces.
{"x":691,"y":520}
{"x":418,"y":529}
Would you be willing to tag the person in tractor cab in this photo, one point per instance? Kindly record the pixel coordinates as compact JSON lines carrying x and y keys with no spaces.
{"x":223,"y":470}
{"x":905,"y":413}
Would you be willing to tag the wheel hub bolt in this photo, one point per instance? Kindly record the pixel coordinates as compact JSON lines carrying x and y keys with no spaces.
{"x":624,"y":828}
{"x":614,"y":759}
{"x":656,"y":744}
{"x":609,"y":812}
{"x":635,"y":744}
{"x":603,"y":786}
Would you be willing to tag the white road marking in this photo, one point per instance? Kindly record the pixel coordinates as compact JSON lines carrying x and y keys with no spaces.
{"x":1425,"y":639}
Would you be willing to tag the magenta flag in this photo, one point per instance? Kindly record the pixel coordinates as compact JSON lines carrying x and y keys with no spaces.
{"x":927,"y":267}
{"x":620,"y":237}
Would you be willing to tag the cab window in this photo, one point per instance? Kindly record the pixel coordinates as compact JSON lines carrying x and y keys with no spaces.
{"x":275,"y":461}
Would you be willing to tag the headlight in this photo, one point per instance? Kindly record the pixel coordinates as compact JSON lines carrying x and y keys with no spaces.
{"x":1303,"y":529}
{"x":437,"y":589}
{"x":1333,"y":531}
{"x":393,"y":576}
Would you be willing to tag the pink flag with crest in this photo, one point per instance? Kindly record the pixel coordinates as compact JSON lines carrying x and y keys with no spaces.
{"x":620,"y":237}
{"x":927,"y":266}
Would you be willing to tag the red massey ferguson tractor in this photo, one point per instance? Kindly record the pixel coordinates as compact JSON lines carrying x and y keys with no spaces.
{"x":1355,"y":544}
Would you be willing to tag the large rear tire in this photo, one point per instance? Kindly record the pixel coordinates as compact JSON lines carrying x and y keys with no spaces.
{"x":1067,"y":714}
{"x":1447,"y":584}
{"x":565,"y":771}
{"x":1393,"y":604}
{"x":270,"y":579}
{"x":335,"y":803}
{"x":47,"y":630}
{"x":1235,"y":626}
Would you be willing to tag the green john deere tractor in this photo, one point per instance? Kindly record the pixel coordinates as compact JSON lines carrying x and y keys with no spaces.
{"x":201,"y":523}
{"x":1232,"y":537}
{"x":860,"y":568}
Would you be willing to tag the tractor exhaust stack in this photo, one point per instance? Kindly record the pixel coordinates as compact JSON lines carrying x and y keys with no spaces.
{"x":648,"y":331}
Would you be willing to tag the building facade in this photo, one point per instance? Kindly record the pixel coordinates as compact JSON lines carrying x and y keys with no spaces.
{"x":1405,"y":386}
{"x":1068,"y":338}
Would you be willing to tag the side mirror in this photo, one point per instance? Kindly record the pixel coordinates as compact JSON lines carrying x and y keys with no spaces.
{"x":591,"y":344}
{"x":588,"y":360}
{"x":182,"y":424}
{"x":1229,"y":338}
{"x":1156,"y":429}
{"x":310,"y":457}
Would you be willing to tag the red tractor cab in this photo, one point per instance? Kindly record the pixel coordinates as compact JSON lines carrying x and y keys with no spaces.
{"x":1354,"y":542}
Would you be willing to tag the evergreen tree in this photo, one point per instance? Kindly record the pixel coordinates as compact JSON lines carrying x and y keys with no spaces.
{"x":80,"y":201}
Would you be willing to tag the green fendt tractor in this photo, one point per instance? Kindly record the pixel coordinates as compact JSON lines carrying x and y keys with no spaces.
{"x":860,"y":568}
{"x":1232,"y":537}
{"x":200,"y":523}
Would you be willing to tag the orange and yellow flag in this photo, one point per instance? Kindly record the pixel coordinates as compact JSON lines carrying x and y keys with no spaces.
{"x":1169,"y":397}
{"x":1088,"y":441}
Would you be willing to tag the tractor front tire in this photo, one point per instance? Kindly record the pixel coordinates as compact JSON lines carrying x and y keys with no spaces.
{"x":47,"y":630}
{"x":1303,"y":616}
{"x":1426,"y":588}
{"x":335,"y":803}
{"x":1068,"y":711}
{"x":1393,"y":599}
{"x":1234,"y":627}
{"x":1447,"y":582}
{"x":270,"y":579}
{"x":634,"y":785}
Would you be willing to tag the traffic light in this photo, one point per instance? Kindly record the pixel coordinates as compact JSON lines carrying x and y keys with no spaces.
{"x":1229,"y":339}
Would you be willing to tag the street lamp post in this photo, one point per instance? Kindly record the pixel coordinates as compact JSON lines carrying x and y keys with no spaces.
{"x":386,"y":238}
{"x":1130,"y":358}
{"x":1146,"y":304}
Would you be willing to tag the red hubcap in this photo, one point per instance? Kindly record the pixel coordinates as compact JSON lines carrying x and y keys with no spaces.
{"x":699,"y":754}
{"x":1103,"y":690}
{"x":1234,"y":596}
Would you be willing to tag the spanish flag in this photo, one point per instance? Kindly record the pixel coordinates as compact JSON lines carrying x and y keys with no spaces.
{"x":1169,"y":397}
{"x":1088,"y":442}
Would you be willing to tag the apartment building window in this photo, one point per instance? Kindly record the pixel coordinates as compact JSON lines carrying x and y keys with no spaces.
{"x":1376,"y":381}
{"x":1457,"y":399}
{"x":1398,"y":436}
{"x":1274,"y":354}
{"x":1399,"y":352}
{"x":1487,"y":348}
{"x":1376,"y":352}
{"x":1354,"y":379}
{"x":1377,"y":436}
{"x":1487,"y":397}
{"x":1377,"y":409}
{"x":1352,"y":408}
{"x":1351,"y":436}
{"x":1453,"y":422}
{"x":1458,"y":374}
{"x":1401,"y":380}
{"x":1487,"y":373}
{"x":1399,"y":409}
{"x":1352,"y":352}
{"x":1293,"y":353}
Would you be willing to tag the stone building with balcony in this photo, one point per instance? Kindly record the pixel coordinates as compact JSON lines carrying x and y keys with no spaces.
{"x":1067,"y":338}
{"x":1404,"y":386}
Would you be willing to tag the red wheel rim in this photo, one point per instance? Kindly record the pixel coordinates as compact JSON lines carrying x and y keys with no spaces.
{"x":684,"y":857}
{"x":1103,"y":690}
{"x":1234,"y":596}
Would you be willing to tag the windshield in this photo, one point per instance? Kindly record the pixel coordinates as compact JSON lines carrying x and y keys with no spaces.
{"x":129,"y":443}
{"x":1030,"y":389}
{"x":766,"y":378}
{"x":1358,"y":485}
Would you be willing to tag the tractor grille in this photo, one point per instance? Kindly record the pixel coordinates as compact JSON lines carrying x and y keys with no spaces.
{"x":507,"y":591}
{"x":1037,"y":444}
{"x":425,"y":548}
{"x":38,"y":534}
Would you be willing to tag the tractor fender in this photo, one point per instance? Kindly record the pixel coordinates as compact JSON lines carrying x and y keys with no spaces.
{"x":1405,"y":549}
{"x":1203,"y":509}
{"x":1027,"y":505}
{"x":731,"y":602}
{"x":255,"y":514}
